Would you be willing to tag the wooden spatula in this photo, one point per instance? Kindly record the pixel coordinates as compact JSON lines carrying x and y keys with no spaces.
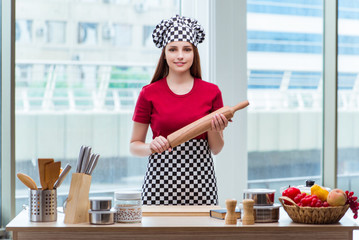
{"x":42,"y":162}
{"x":27,"y":180}
{"x":52,"y":172}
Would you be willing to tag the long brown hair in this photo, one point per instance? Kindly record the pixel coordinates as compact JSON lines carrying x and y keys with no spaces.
{"x":162,"y":66}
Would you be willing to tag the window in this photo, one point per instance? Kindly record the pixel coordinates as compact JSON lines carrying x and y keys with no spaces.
{"x":348,"y":97}
{"x":123,"y":35}
{"x":285,"y":91}
{"x":56,"y":32}
{"x":147,"y":35}
{"x":84,"y":92}
{"x":284,"y":42}
{"x":1,"y":110}
{"x":65,"y":98}
{"x":23,"y":31}
{"x":87,"y":34}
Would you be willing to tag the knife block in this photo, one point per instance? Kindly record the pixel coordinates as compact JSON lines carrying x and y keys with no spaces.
{"x":78,"y":203}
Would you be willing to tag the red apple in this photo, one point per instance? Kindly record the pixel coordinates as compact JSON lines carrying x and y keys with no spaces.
{"x":337,"y":197}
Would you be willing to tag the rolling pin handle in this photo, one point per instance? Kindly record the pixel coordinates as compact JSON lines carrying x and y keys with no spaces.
{"x":240,"y":106}
{"x":153,"y":151}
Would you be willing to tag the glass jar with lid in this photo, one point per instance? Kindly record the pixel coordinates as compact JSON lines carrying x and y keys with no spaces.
{"x":306,"y":189}
{"x":128,"y":205}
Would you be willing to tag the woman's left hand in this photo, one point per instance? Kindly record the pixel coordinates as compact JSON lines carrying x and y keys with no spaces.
{"x":219,"y":122}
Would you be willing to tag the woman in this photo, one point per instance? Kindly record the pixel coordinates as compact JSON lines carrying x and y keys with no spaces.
{"x":176,"y":97}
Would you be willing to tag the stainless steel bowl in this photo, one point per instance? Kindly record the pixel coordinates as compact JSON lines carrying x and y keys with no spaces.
{"x":266,"y":214}
{"x":100,"y":203}
{"x":102,"y":217}
{"x":261,"y":196}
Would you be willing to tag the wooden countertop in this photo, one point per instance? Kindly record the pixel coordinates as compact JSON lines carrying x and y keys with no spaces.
{"x":156,"y":226}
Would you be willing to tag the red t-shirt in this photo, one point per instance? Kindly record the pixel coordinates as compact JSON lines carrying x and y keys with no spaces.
{"x":167,"y":112}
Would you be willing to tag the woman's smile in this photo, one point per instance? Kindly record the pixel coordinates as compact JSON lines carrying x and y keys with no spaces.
{"x":180,"y":64}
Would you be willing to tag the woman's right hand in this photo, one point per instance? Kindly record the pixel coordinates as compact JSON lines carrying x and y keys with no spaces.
{"x":160,"y":144}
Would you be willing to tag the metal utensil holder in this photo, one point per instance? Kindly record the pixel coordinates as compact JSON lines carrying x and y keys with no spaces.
{"x":43,"y":205}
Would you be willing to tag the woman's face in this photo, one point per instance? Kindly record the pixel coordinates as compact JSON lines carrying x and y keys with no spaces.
{"x":179,"y":56}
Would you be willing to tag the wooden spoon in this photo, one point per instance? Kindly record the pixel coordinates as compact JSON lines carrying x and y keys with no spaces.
{"x":52,"y":171}
{"x":27,"y":180}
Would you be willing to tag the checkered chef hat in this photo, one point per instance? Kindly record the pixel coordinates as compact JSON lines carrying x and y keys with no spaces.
{"x":178,"y":29}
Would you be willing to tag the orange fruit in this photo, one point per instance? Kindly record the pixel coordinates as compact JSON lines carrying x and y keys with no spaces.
{"x":320,"y":192}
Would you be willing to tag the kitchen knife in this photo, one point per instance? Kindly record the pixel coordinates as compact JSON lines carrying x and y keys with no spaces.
{"x":94,"y":164}
{"x":79,"y":160}
{"x":92,"y":159}
{"x":86,"y":159}
{"x":62,"y":176}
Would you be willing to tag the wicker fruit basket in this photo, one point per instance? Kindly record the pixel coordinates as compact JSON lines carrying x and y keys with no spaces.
{"x":313,"y":215}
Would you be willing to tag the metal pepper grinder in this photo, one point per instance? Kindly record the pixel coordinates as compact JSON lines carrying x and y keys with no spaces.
{"x":231,"y":217}
{"x":248,"y":214}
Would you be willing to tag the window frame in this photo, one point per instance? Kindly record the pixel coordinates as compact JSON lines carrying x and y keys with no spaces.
{"x":7,"y":111}
{"x":230,"y":66}
{"x":330,"y":92}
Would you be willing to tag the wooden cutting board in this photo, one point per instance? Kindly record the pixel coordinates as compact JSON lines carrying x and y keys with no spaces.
{"x":149,"y":211}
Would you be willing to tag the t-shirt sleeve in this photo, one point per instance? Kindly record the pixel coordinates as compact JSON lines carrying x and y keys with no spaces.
{"x":143,"y":108}
{"x":217,"y":101}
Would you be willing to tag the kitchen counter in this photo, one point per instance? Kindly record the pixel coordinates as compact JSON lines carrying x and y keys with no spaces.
{"x":181,"y":227}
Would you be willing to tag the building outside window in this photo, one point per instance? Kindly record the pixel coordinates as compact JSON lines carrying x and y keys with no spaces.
{"x":87,"y":34}
{"x":348,"y":95}
{"x":285,"y":87}
{"x":123,"y":35}
{"x":85,"y":96}
{"x":23,"y":31}
{"x":84,"y":92}
{"x":147,"y":36}
{"x":285,"y":90}
{"x":56,"y":32}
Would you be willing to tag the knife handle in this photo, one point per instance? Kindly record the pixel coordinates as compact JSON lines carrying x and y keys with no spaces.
{"x":62,"y":176}
{"x":90,"y":163}
{"x":86,"y":160}
{"x":79,"y":160}
{"x":94,"y":164}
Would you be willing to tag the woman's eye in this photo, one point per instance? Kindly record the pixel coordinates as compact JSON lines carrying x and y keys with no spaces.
{"x":171,"y":50}
{"x":188,"y":49}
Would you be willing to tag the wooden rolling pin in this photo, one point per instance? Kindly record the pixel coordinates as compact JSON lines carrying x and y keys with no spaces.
{"x":201,"y":125}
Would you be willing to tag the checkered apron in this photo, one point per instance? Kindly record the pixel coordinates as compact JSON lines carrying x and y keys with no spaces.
{"x":184,"y":176}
